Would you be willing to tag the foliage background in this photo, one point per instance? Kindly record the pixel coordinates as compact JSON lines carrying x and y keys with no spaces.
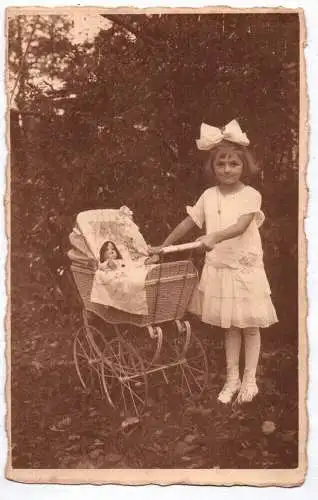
{"x":113,"y":120}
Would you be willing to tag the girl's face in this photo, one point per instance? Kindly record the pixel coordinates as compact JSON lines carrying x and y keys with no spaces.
{"x":110,"y":252}
{"x":228,"y":168}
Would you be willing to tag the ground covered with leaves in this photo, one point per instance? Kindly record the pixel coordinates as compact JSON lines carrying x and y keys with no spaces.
{"x":56,"y":425}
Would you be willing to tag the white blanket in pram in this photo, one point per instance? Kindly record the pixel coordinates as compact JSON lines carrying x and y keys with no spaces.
{"x":121,"y":287}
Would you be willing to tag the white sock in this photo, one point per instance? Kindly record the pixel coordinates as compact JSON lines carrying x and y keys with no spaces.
{"x":252,"y":341}
{"x":233,"y":340}
{"x":249,"y":389}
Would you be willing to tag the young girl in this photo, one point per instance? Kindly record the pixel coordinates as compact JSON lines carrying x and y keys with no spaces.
{"x":233,"y":292}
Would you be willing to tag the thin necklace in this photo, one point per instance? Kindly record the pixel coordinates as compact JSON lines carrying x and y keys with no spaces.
{"x":218,"y":196}
{"x":218,"y":201}
{"x":219,"y":214}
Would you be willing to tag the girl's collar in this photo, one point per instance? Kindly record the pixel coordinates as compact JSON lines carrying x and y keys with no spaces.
{"x":231,"y":193}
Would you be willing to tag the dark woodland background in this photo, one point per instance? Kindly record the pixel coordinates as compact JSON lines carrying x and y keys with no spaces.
{"x":121,"y":130}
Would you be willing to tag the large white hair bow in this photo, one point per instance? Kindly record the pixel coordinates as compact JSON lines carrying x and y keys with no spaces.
{"x":211,"y":136}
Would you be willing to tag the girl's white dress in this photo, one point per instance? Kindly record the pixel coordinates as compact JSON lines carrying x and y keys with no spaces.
{"x":233,"y":290}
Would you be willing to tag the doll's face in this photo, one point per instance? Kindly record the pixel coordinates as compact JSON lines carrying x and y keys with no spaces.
{"x":110,"y":252}
{"x":228,"y":168}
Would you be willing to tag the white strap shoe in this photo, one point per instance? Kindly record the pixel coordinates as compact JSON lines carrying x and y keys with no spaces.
{"x":229,"y":390}
{"x":247,"y":392}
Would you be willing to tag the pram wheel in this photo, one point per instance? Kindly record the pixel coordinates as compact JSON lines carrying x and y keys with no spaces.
{"x":191,"y":373}
{"x":124,"y":366}
{"x":88,"y":345}
{"x":114,"y":367}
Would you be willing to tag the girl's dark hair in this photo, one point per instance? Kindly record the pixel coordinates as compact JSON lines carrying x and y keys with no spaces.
{"x":250,"y":167}
{"x":104,"y":247}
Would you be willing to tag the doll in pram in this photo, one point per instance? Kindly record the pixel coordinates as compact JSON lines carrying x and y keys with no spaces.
{"x":140,"y":307}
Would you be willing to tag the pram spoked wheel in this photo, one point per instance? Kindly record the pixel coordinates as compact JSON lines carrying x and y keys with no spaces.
{"x":88,"y":345}
{"x":190,"y":374}
{"x":123,"y":372}
{"x":113,"y":366}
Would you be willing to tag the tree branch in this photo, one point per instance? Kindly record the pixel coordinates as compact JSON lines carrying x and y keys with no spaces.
{"x":128,"y":27}
{"x":22,"y":62}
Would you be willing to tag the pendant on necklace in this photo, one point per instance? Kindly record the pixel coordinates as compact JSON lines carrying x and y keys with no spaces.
{"x":218,"y":200}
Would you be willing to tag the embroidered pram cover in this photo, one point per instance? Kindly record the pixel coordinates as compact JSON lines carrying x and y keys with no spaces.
{"x":124,"y":286}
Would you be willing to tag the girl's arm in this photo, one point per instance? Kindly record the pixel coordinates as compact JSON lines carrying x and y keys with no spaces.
{"x":226,"y":234}
{"x":181,"y":230}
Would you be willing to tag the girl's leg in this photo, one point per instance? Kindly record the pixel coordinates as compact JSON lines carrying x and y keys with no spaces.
{"x":249,"y":389}
{"x":232,"y":385}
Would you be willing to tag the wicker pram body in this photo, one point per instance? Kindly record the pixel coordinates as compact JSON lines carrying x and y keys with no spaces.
{"x":169,"y":287}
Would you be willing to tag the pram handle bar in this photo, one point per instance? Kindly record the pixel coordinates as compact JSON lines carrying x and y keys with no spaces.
{"x":180,"y":248}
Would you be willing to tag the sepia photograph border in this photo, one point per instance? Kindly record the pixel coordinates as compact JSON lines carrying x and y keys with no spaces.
{"x":225,"y":477}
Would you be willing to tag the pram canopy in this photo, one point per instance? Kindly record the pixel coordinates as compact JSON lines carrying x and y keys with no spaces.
{"x":121,"y":285}
{"x":94,"y":227}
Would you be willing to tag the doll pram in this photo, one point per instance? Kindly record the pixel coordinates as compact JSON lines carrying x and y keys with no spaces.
{"x":117,"y":351}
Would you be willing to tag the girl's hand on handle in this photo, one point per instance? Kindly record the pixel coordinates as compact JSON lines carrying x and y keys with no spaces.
{"x":179,"y":232}
{"x":155,"y":250}
{"x":208,"y":241}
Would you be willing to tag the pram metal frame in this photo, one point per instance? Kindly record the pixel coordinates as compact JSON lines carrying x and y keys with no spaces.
{"x":119,"y":358}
